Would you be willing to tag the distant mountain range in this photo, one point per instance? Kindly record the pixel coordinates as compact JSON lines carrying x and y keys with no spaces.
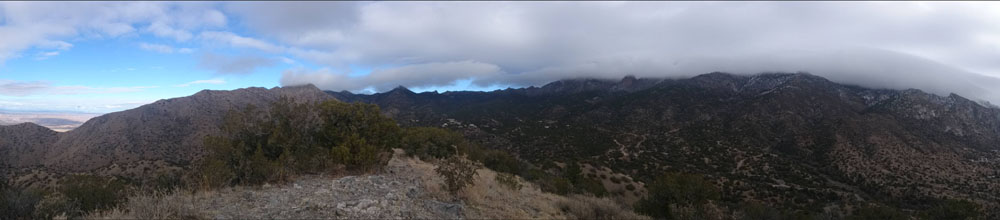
{"x":791,"y":140}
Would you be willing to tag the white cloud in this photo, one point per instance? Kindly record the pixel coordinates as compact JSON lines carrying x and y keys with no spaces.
{"x":413,"y":76}
{"x":29,"y":88}
{"x":45,"y":25}
{"x":239,"y":41}
{"x":237,"y":64}
{"x":160,"y":48}
{"x":163,"y":48}
{"x":46,"y":55}
{"x":532,"y":43}
{"x":207,"y":81}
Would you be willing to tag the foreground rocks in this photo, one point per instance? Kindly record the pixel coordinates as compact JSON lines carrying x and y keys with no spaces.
{"x":406,"y":188}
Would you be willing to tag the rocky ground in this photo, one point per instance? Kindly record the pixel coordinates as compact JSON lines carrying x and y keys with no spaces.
{"x":396,"y":193}
{"x":406,"y":188}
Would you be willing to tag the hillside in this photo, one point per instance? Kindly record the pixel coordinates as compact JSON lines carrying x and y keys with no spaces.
{"x":793,"y":141}
{"x":166,"y":134}
{"x":405,"y":188}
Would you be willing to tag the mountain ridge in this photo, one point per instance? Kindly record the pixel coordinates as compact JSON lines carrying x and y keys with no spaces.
{"x":825,"y":141}
{"x":168,"y":132}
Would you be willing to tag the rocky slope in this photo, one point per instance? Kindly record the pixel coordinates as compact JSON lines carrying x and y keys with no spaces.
{"x":795,"y":141}
{"x":406,"y":188}
{"x":166,"y":133}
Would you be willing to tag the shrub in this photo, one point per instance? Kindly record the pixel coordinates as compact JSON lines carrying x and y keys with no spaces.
{"x":457,"y":172}
{"x":953,"y":209}
{"x":18,"y":203}
{"x":584,"y":207}
{"x":91,"y":193}
{"x":432,"y":143}
{"x":152,"y":205}
{"x":572,"y":172}
{"x":877,"y":212}
{"x":554,"y":184}
{"x":289,"y":138}
{"x":592,"y":186}
{"x":497,"y":160}
{"x":676,"y":189}
{"x":508,"y":180}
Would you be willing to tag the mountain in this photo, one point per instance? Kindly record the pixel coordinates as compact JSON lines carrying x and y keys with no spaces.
{"x":166,"y":133}
{"x":794,"y":141}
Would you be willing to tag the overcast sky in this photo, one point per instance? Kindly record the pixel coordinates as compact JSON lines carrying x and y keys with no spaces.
{"x":109,"y":56}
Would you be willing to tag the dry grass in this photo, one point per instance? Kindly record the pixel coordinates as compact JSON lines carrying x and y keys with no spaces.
{"x":156,"y":205}
{"x":488,"y":199}
{"x":588,"y":207}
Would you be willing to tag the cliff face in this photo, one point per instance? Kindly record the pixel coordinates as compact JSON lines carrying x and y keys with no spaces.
{"x":793,"y":140}
{"x":165,"y":133}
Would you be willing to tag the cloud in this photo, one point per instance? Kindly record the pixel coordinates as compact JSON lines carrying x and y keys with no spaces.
{"x":207,"y":81}
{"x":16,"y":88}
{"x":44,"y":25}
{"x":532,"y":43}
{"x":935,"y":46}
{"x":162,"y":48}
{"x":413,"y":76}
{"x":28,"y":88}
{"x":322,"y":78}
{"x":234,"y":40}
{"x":46,"y":55}
{"x":238,"y":64}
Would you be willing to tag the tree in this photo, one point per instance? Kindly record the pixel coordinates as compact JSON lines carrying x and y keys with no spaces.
{"x":457,"y":172}
{"x":678,"y":189}
{"x":92,"y":193}
{"x":956,"y":209}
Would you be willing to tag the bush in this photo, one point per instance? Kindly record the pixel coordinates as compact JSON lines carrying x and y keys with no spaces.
{"x":258,"y":146}
{"x":583,"y":207}
{"x":554,"y":184}
{"x":508,"y":180}
{"x":877,"y":212}
{"x":91,"y":193}
{"x":953,"y":209}
{"x":432,"y":143}
{"x":497,"y":160}
{"x":152,"y":205}
{"x":676,"y":189}
{"x":18,"y":203}
{"x":592,"y":186}
{"x":457,"y":172}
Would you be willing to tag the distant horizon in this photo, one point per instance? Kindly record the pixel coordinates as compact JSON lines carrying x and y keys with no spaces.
{"x":111,"y":56}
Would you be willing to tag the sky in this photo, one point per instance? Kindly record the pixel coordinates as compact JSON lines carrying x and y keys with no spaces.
{"x":102,"y":57}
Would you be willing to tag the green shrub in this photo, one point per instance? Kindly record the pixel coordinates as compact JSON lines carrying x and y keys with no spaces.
{"x":572,"y":172}
{"x":289,"y":138}
{"x":92,"y":193}
{"x":555,"y":184}
{"x":508,"y":180}
{"x":676,"y":189}
{"x":457,"y":172}
{"x":432,"y":143}
{"x":592,"y":186}
{"x":877,"y":212}
{"x":957,"y":209}
{"x":499,"y":161}
{"x":18,"y":203}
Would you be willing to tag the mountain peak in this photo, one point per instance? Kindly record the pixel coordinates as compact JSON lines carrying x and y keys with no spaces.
{"x":401,"y":89}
